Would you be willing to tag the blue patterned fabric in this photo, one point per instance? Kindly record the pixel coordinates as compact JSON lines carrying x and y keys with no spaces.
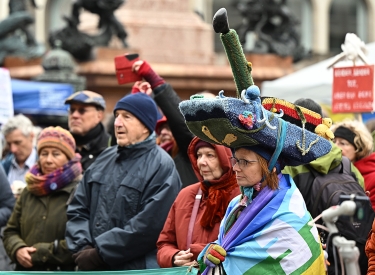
{"x":272,"y":235}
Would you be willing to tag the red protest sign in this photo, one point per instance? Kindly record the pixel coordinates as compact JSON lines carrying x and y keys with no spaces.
{"x":353,"y":89}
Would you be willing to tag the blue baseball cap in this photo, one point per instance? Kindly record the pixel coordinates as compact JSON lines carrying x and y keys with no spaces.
{"x":86,"y":97}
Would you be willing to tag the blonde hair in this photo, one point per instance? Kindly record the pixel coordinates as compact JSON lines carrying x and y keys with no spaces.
{"x":363,"y":139}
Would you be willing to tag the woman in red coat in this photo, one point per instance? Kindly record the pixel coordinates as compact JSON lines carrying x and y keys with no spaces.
{"x":218,"y":186}
{"x":356,"y":143}
{"x":370,"y":251}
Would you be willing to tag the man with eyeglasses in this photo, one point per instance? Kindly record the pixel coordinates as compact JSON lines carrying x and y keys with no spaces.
{"x":86,"y":112}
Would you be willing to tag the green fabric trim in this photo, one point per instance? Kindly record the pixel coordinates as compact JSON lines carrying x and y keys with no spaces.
{"x":240,"y":67}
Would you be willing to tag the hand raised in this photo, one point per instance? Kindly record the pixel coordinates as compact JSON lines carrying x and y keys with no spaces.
{"x":137,"y":65}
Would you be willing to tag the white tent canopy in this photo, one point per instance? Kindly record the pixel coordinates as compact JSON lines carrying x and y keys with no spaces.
{"x":313,"y":82}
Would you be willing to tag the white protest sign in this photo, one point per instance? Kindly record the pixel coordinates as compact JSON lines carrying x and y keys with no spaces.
{"x":6,"y":102}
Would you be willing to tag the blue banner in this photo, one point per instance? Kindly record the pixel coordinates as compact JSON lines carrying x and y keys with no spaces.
{"x":40,"y":98}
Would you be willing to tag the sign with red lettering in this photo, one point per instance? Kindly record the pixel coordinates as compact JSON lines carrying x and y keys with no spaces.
{"x":353,"y":89}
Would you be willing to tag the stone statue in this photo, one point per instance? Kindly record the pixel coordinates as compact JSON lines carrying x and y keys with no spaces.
{"x":352,"y":49}
{"x":15,"y":38}
{"x":80,"y":44}
{"x":60,"y":67}
{"x":273,"y":25}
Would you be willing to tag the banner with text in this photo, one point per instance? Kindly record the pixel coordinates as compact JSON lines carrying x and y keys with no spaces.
{"x":353,"y":89}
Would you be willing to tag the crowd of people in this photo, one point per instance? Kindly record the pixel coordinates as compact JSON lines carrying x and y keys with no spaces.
{"x":176,"y":183}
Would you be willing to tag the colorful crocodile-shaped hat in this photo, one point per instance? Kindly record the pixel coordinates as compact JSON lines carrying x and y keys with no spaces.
{"x":244,"y":122}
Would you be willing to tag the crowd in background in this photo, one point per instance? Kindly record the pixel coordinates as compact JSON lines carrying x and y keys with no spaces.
{"x":145,"y":192}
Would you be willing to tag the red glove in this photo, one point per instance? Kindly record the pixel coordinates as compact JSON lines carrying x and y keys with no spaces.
{"x":151,"y":77}
{"x":142,"y":87}
{"x":135,"y":88}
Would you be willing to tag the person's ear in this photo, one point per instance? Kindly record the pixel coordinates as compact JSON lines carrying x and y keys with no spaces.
{"x":100,"y":114}
{"x":31,"y":136}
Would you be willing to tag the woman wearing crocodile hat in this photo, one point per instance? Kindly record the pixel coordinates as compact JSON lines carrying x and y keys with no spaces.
{"x":267,"y":231}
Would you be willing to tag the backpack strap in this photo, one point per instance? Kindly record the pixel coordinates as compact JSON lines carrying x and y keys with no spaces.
{"x":347,"y":167}
{"x":193,"y":217}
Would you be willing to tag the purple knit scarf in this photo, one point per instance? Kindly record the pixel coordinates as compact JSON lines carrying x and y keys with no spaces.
{"x":41,"y":185}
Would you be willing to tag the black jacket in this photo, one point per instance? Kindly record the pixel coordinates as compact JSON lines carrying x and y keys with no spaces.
{"x":168,"y":100}
{"x":91,"y":150}
{"x":121,"y":204}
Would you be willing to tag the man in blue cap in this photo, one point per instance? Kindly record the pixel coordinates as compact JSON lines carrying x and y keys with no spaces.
{"x":123,"y":200}
{"x":86,"y":112}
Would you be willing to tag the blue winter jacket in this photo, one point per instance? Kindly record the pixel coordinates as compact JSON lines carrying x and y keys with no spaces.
{"x":121,"y":204}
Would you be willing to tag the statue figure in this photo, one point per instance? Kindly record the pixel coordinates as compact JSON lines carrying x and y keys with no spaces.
{"x":80,"y":44}
{"x":273,"y":25}
{"x":352,"y":49}
{"x":60,"y":67}
{"x":15,"y":38}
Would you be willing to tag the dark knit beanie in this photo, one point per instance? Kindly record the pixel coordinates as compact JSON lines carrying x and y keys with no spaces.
{"x":309,"y":104}
{"x":142,"y":107}
{"x":201,"y":144}
{"x":345,"y":133}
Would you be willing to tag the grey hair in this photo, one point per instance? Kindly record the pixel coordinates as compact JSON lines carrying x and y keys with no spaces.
{"x":19,"y":122}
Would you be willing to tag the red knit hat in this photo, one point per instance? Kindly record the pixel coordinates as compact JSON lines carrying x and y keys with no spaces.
{"x":201,"y":144}
{"x":59,"y":138}
{"x":159,"y":123}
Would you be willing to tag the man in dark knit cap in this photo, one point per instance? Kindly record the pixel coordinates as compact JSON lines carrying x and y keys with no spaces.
{"x":121,"y":204}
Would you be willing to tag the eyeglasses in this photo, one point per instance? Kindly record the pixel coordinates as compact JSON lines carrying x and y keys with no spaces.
{"x":81,"y":110}
{"x":242,"y":163}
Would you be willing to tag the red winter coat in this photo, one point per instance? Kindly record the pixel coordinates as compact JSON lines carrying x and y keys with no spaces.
{"x":173,"y":237}
{"x":366,"y":167}
{"x":370,"y":251}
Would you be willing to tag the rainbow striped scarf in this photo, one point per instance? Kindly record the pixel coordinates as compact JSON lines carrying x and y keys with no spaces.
{"x":271,"y":236}
{"x":41,"y":185}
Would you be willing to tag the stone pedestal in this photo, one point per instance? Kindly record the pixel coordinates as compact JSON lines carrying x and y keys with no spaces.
{"x":164,"y":31}
{"x":177,"y":43}
{"x":18,"y":61}
{"x":270,"y":61}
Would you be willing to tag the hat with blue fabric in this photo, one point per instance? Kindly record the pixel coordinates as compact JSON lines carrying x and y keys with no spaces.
{"x":142,"y":107}
{"x":243,"y":122}
{"x":86,"y":97}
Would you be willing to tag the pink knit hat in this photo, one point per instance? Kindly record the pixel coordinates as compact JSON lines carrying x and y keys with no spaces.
{"x":59,"y":138}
